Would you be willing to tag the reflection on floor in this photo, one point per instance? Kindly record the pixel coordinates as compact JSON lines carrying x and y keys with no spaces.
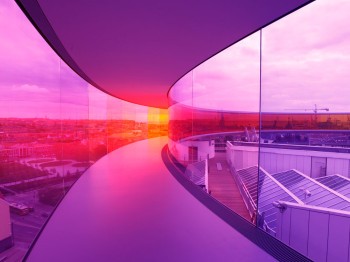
{"x":133,"y":209}
{"x":223,"y":187}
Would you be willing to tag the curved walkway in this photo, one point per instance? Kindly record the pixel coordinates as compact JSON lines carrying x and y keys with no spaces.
{"x":128,"y":207}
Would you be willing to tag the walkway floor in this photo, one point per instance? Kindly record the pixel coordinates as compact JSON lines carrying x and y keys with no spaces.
{"x":223,"y":187}
{"x":128,"y":207}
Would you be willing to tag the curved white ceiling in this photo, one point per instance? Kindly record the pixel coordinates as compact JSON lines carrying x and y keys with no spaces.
{"x":136,"y":50}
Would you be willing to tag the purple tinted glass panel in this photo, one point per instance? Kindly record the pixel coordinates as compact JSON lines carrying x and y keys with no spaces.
{"x":53,"y":127}
{"x":305,"y":126}
{"x":218,"y":102}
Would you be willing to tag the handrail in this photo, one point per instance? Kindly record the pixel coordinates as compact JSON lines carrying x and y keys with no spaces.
{"x":248,"y":200}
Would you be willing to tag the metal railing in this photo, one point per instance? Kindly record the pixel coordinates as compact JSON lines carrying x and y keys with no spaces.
{"x":248,"y":200}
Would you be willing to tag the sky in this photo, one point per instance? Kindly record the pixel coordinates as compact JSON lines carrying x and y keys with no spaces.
{"x":34,"y":82}
{"x":305,"y":61}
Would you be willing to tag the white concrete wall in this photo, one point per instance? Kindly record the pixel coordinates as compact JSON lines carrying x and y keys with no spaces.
{"x":275,"y":160}
{"x":320,"y":234}
{"x":337,"y":166}
{"x":180,"y":149}
{"x":5,"y":227}
{"x":242,"y":156}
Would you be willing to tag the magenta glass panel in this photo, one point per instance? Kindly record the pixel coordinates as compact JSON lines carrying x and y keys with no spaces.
{"x":215,"y":103}
{"x":30,"y":131}
{"x":128,"y":123}
{"x":53,"y":126}
{"x":115,"y":125}
{"x":180,"y":109}
{"x":157,"y":120}
{"x":97,"y":124}
{"x":74,"y":108}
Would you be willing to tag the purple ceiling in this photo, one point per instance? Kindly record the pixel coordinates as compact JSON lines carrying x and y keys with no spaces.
{"x":136,"y":50}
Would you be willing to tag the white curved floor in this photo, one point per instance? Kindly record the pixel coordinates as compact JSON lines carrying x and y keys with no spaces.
{"x":128,"y":207}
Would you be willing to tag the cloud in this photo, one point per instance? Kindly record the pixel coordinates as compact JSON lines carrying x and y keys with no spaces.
{"x":30,"y":88}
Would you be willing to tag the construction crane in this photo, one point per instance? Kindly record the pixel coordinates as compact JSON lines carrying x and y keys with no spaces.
{"x":315,"y":110}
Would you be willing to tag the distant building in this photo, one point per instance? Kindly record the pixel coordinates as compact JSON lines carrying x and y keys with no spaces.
{"x":18,"y":151}
{"x":313,"y":161}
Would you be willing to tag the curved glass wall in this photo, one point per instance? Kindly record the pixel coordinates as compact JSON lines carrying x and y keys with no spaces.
{"x":264,"y":128}
{"x":305,"y":79}
{"x":53,"y":126}
{"x":217,"y":102}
